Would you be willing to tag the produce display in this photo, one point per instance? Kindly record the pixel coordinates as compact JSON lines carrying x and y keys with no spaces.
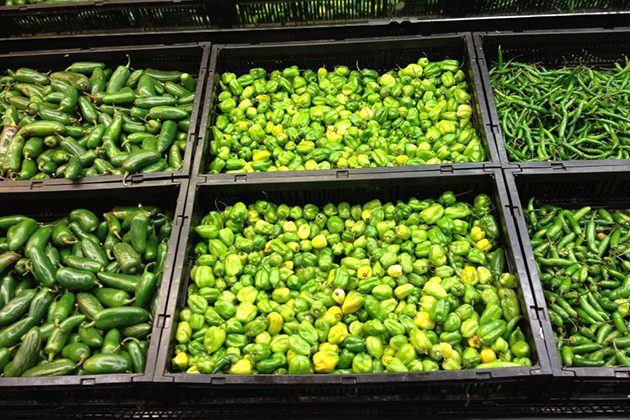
{"x":89,"y":120}
{"x":343,"y":118}
{"x":77,"y":294}
{"x":380,"y":287}
{"x":567,"y":113}
{"x":584,"y":267}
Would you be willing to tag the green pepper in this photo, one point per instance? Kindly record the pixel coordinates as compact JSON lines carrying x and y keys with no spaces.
{"x":482,"y":205}
{"x":432,"y":214}
{"x":106,"y":363}
{"x":214,"y":339}
{"x":21,"y":234}
{"x":489,"y":332}
{"x":75,"y":280}
{"x":492,"y":312}
{"x":440,"y":310}
{"x":270,"y":364}
{"x":374,"y":308}
{"x":120,"y":317}
{"x":299,"y":345}
{"x":300,"y":365}
{"x":362,"y":363}
{"x":26,"y":355}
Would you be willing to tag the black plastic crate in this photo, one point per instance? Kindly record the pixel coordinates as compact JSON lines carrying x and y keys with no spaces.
{"x":108,"y":15}
{"x":347,"y":410}
{"x":299,"y":12}
{"x":54,"y":202}
{"x":381,"y":54}
{"x":592,"y":47}
{"x":490,"y":8}
{"x":191,"y":58}
{"x":517,"y":383}
{"x":602,"y":186}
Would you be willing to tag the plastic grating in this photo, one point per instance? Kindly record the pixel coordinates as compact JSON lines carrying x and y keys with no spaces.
{"x":479,"y":8}
{"x":296,"y":12}
{"x":109,"y":15}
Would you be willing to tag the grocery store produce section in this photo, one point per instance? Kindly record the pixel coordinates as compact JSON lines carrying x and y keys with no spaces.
{"x":307,"y":219}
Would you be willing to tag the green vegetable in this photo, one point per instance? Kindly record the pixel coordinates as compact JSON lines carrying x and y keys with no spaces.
{"x":91,"y":134}
{"x":585,"y":274}
{"x":42,"y":317}
{"x":567,"y":113}
{"x":341,"y":289}
{"x":306,"y":120}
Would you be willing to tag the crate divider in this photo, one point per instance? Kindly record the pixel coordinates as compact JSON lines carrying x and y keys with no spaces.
{"x":552,"y":47}
{"x":258,"y":178}
{"x":191,"y":57}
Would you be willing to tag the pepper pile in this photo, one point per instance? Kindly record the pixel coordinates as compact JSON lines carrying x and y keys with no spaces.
{"x":562,"y":114}
{"x":89,"y":120}
{"x":584,"y":266}
{"x":304,"y":120}
{"x":76,"y":295}
{"x":410,"y":286}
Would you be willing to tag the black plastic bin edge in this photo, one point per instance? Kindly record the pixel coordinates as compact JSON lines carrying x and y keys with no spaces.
{"x":73,"y":381}
{"x":92,"y":17}
{"x":539,"y":371}
{"x":68,"y":55}
{"x":495,"y":127}
{"x":604,"y":373}
{"x":480,"y":113}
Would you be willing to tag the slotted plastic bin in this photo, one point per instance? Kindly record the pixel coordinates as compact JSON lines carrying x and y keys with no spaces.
{"x":602,"y":186}
{"x":554,"y":49}
{"x":191,"y":58}
{"x":380,"y":54}
{"x":55,"y":202}
{"x":300,"y":12}
{"x":108,"y":15}
{"x":517,"y":383}
{"x":436,"y":9}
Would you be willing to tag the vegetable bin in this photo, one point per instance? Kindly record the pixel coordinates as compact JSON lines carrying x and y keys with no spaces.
{"x":205,"y":196}
{"x":48,"y":205}
{"x":380,"y":55}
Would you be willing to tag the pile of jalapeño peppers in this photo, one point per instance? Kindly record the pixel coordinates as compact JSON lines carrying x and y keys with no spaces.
{"x":77,"y":294}
{"x":90,"y":120}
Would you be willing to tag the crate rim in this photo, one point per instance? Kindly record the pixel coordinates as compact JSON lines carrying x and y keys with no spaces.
{"x":94,"y":3}
{"x":495,"y":128}
{"x":71,"y":381}
{"x":324,"y":175}
{"x":483,"y":118}
{"x":558,"y":370}
{"x":192,"y":135}
{"x":540,"y":370}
